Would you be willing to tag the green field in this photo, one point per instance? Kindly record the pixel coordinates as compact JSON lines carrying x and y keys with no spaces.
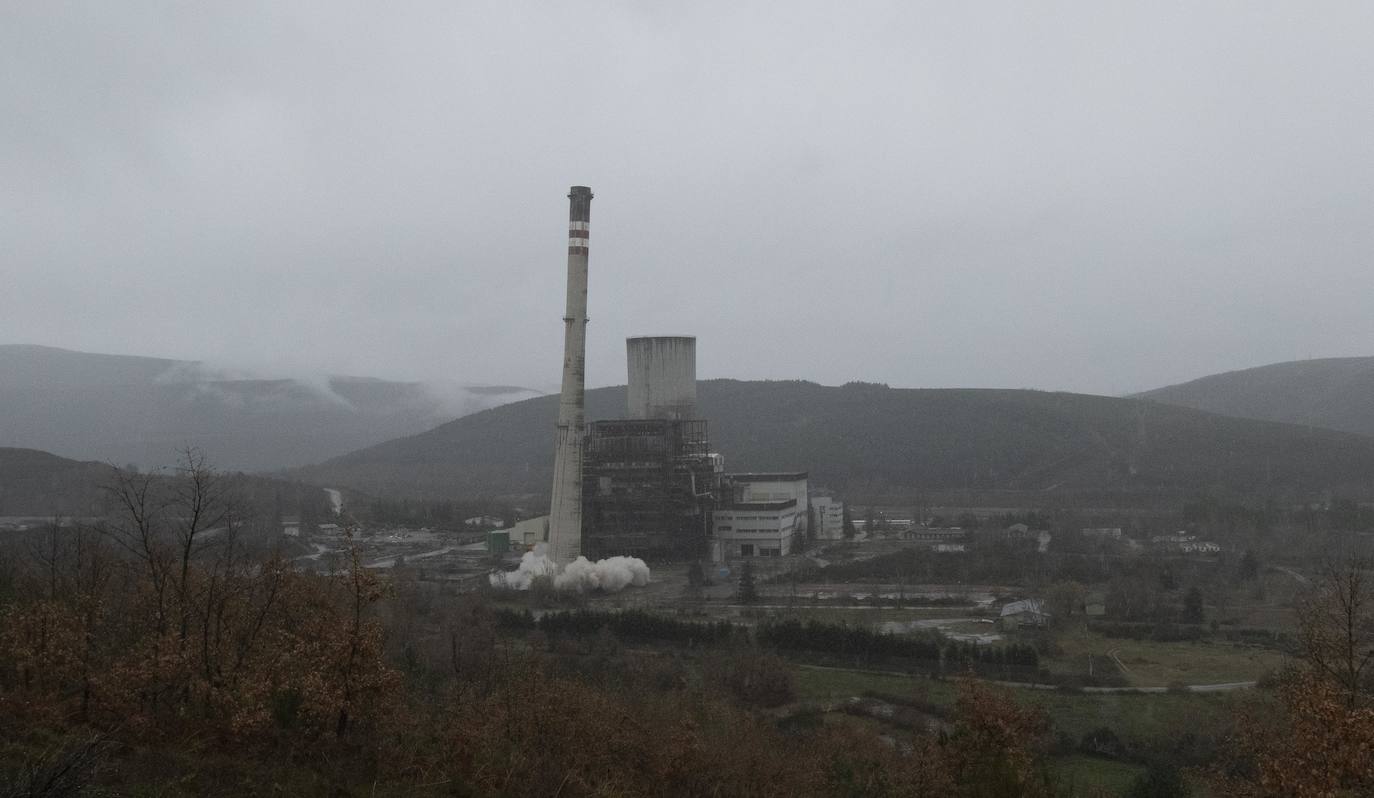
{"x":1143,"y":716}
{"x":829,"y":685}
{"x":1154,"y":721}
{"x":1080,"y":774}
{"x":1154,"y":664}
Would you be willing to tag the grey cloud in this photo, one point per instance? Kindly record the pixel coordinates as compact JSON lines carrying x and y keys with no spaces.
{"x":1082,"y":196}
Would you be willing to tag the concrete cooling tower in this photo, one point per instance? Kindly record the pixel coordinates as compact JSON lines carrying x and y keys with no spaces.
{"x":663,"y":376}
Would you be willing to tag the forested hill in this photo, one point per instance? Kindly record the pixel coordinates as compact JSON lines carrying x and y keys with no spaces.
{"x":869,"y":438}
{"x":1332,"y":392}
{"x":41,"y":484}
{"x":143,"y":410}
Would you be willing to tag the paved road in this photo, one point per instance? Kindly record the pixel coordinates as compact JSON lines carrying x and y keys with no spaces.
{"x":1293,"y":574}
{"x":1223,"y":687}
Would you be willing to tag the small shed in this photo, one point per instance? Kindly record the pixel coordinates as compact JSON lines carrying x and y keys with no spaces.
{"x":498,"y":542}
{"x":1024,"y":613}
{"x":1095,"y":604}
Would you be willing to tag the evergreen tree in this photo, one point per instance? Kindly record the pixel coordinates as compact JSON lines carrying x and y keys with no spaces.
{"x":1160,"y":781}
{"x":1192,"y":606}
{"x":748,"y":590}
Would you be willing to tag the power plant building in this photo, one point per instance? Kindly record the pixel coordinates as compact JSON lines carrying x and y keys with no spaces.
{"x":649,"y":485}
{"x":648,"y":488}
{"x":649,"y":480}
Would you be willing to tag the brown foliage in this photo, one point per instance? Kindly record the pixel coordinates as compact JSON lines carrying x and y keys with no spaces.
{"x":162,"y":625}
{"x":997,"y":743}
{"x":1323,"y":743}
{"x":167,"y":630}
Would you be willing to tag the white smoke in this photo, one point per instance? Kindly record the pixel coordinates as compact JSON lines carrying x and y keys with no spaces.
{"x":612,"y":574}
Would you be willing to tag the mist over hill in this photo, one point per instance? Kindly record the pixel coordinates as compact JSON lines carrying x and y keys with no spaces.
{"x":870,"y":438}
{"x":1330,"y":392}
{"x":142,"y":410}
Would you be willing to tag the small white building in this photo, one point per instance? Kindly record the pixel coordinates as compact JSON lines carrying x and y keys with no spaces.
{"x":1199,"y":547}
{"x":1103,"y":532}
{"x":524,"y":534}
{"x":936,"y":534}
{"x":484,"y":522}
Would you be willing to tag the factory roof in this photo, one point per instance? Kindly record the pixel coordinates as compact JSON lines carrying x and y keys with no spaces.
{"x":768,"y":476}
{"x":781,"y":504}
{"x":1033,"y":606}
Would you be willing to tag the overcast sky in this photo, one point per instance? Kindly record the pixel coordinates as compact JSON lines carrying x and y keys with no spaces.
{"x":1082,"y":196}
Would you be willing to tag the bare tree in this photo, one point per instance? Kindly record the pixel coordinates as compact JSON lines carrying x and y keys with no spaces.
{"x":1336,"y":626}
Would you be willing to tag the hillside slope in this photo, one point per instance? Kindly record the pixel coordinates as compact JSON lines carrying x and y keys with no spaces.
{"x":871,"y":438}
{"x":35,"y":483}
{"x":141,"y":410}
{"x":1333,"y":392}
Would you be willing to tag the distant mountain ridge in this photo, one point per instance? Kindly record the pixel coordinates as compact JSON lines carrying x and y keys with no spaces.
{"x":142,"y":410}
{"x":1335,"y":393}
{"x":868,"y":438}
{"x":40,"y":484}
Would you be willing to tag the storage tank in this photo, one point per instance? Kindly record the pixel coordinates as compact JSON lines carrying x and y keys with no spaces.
{"x":663,"y":376}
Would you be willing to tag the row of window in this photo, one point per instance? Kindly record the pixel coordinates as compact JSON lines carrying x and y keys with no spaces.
{"x":747,"y":550}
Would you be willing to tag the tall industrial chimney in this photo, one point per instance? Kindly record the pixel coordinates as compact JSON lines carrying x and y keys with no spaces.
{"x":663,"y":376}
{"x":565,"y":512}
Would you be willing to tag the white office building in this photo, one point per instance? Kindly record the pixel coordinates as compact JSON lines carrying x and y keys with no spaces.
{"x":762,"y":515}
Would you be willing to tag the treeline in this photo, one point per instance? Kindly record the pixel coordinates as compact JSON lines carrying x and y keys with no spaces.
{"x":927,"y":653}
{"x":1173,"y":632}
{"x":630,"y":625}
{"x":421,"y":512}
{"x":163,"y":620}
{"x":1226,"y":517}
{"x":34,"y":483}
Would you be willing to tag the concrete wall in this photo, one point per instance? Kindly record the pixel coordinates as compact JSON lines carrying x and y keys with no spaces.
{"x":829,"y":518}
{"x":772,"y":490}
{"x":530,"y":531}
{"x":662,"y":376}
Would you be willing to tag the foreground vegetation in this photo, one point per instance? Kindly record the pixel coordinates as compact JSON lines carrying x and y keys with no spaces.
{"x":170,"y":651}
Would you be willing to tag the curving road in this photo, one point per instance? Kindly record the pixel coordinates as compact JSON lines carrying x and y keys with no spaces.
{"x":1223,"y":687}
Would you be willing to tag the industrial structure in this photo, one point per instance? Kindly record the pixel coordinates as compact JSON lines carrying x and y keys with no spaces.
{"x":662,"y":376}
{"x":565,"y":510}
{"x":648,"y":485}
{"x":649,"y":479}
{"x":761,"y":515}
